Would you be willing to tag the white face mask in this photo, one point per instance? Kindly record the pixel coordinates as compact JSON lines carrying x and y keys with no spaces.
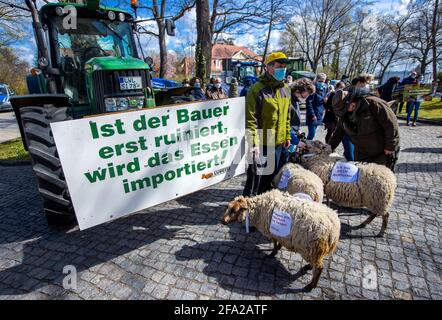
{"x":217,"y":85}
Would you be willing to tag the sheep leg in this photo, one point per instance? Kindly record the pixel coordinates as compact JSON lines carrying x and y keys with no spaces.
{"x":366,"y":222}
{"x":315,"y":279}
{"x":384,"y":225}
{"x":276,"y":247}
{"x":305,"y":268}
{"x":328,"y":201}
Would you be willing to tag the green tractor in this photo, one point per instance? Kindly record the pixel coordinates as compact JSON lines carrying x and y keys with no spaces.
{"x":88,"y":64}
{"x":296,"y":68}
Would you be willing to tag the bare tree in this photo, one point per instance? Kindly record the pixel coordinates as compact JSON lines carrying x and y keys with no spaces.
{"x":420,"y":41}
{"x":223,"y":16}
{"x":158,"y":9}
{"x":203,"y":50}
{"x":275,"y":14}
{"x":316,"y":24}
{"x":395,"y":29}
{"x":11,"y":28}
{"x":434,"y":32}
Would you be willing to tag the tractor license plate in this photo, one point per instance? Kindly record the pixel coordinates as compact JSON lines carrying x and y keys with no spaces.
{"x":130,"y":83}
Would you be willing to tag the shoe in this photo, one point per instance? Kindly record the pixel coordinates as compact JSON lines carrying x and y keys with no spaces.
{"x":414,"y":124}
{"x":408,"y":124}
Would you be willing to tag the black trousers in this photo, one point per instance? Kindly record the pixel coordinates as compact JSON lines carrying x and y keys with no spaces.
{"x":262,"y":183}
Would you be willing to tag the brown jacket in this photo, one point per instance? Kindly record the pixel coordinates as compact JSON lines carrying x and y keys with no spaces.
{"x":215,"y":94}
{"x":372,"y":128}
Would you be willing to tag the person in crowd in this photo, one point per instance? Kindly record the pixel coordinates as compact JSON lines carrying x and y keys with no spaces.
{"x":414,"y":102}
{"x":247,"y":85}
{"x":300,"y":91}
{"x":315,"y":106}
{"x":330,"y":123}
{"x":186,"y":83}
{"x":217,"y":91}
{"x":197,"y":92}
{"x":345,"y":79}
{"x":411,"y":79}
{"x":329,"y":115}
{"x":371,"y":125}
{"x":268,"y":122}
{"x":233,"y":89}
{"x":386,"y":90}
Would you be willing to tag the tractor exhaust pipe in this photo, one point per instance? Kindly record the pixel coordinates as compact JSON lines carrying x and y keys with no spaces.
{"x":43,"y":55}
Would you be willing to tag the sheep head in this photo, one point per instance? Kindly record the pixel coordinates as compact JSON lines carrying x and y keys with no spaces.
{"x":236,"y":210}
{"x":318,"y":147}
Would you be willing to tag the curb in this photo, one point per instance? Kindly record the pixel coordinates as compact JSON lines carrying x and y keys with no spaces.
{"x":433,"y":122}
{"x":17,"y":163}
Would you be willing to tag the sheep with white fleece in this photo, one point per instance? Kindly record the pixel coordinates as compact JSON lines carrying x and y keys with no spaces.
{"x":374,"y":188}
{"x":306,"y":227}
{"x":297,"y":181}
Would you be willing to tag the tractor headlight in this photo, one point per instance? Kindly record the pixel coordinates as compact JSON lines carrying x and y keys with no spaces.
{"x":125,"y":103}
{"x":122,"y":104}
{"x":110,"y":104}
{"x":111,"y":15}
{"x":121,"y":17}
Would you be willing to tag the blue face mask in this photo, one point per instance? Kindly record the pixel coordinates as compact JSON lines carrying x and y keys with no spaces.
{"x":279,"y":74}
{"x":320,"y":85}
{"x":197,"y":85}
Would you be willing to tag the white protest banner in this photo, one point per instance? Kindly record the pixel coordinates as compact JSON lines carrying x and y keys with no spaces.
{"x":120,"y":163}
{"x":345,"y":172}
{"x":281,"y":223}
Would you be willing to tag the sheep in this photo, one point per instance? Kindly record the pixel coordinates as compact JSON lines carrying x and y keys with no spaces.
{"x":299,"y":180}
{"x":374,"y":189}
{"x":314,"y":231}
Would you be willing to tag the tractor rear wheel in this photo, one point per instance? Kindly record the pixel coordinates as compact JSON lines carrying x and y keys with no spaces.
{"x":46,"y":162}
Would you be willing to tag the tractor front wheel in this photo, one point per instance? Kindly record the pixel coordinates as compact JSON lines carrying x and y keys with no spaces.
{"x":46,"y":162}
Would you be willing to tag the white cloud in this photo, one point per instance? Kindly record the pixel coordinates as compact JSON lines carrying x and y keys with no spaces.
{"x":25,"y":53}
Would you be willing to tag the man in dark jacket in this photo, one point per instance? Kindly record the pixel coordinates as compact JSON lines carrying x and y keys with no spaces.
{"x":371,"y":125}
{"x":247,"y":85}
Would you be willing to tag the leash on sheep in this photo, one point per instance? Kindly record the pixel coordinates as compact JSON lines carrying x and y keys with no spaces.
{"x":254,"y":192}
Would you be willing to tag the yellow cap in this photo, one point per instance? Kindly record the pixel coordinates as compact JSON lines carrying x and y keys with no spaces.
{"x":280,"y":56}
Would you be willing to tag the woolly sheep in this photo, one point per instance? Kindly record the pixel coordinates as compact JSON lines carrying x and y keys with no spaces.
{"x":300,"y":181}
{"x":374,"y":189}
{"x":314,"y":232}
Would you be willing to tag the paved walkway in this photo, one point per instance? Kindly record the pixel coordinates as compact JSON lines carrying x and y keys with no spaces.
{"x":179,"y":250}
{"x":8,"y":126}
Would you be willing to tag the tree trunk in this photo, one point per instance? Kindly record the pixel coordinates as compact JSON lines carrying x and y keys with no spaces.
{"x":203,"y":52}
{"x":433,"y":36}
{"x":267,"y":43}
{"x":163,"y":48}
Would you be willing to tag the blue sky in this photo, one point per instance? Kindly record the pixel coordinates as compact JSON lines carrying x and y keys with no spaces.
{"x":186,"y":35}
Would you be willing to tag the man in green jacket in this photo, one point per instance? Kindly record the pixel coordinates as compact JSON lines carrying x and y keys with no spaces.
{"x":371,"y":125}
{"x":268,"y":123}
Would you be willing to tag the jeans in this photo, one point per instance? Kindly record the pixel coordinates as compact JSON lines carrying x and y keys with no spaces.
{"x":401,"y":105}
{"x":311,"y":131}
{"x":349,"y":149}
{"x":262,"y":183}
{"x":413,"y":105}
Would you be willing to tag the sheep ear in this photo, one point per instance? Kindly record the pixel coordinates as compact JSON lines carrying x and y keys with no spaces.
{"x":235,"y":205}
